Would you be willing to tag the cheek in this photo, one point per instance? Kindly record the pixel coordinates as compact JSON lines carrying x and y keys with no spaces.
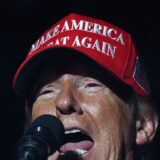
{"x":117,"y":120}
{"x":100,"y":107}
{"x":108,"y":112}
{"x":41,"y":107}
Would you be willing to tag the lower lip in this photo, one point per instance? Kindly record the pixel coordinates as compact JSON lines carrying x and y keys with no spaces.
{"x":88,"y":153}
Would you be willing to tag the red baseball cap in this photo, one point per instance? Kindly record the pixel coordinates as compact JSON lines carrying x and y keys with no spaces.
{"x":107,"y":45}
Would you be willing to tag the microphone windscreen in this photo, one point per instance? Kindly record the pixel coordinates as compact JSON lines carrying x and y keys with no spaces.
{"x":48,"y":127}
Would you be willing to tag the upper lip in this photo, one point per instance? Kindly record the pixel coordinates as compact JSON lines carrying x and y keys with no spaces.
{"x":75,"y":129}
{"x":78,"y":130}
{"x":72,"y":124}
{"x":72,"y":131}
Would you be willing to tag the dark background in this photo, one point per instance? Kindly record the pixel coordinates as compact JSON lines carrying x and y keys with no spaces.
{"x":23,"y":21}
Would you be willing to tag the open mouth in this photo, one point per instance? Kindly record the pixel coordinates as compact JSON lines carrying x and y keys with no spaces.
{"x":76,"y":140}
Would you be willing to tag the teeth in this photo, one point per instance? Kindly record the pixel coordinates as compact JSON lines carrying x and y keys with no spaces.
{"x":80,"y":151}
{"x":72,"y":131}
{"x":61,"y":153}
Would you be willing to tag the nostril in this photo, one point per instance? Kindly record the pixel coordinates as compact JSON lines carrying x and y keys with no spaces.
{"x":79,"y":111}
{"x":68,"y":110}
{"x":71,"y":110}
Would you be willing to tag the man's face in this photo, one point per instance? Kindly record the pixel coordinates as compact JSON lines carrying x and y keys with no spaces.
{"x":99,"y":123}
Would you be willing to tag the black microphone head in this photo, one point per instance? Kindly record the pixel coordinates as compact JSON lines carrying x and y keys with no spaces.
{"x":49,"y":128}
{"x":41,"y":138}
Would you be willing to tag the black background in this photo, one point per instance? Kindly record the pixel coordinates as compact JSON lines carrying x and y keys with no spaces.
{"x":23,"y":21}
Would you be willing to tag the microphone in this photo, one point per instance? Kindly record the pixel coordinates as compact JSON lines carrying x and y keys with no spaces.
{"x":41,"y":139}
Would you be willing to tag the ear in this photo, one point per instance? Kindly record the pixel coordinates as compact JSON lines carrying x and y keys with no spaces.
{"x":146,"y":129}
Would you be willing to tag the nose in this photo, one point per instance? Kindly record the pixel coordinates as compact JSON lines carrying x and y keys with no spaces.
{"x":66,"y":102}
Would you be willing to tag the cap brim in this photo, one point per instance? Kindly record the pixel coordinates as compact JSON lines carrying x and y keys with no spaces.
{"x":29,"y":71}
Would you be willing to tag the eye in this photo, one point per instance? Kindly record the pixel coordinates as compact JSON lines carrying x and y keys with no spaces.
{"x":45,"y":92}
{"x":92,"y":85}
{"x":92,"y":88}
{"x":49,"y":89}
